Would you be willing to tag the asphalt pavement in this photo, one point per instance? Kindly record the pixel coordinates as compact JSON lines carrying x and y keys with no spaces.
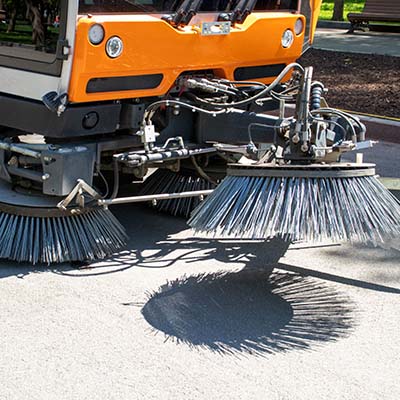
{"x":175,"y":316}
{"x":181,"y":317}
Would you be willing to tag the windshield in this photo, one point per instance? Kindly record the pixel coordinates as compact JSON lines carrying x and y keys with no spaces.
{"x":165,"y":6}
{"x":29,"y":25}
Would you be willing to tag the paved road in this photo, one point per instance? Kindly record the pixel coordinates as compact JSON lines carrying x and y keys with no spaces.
{"x":324,"y":325}
{"x":181,"y":317}
{"x":359,"y":42}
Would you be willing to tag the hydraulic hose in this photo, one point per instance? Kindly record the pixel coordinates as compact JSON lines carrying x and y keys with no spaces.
{"x":317,"y":89}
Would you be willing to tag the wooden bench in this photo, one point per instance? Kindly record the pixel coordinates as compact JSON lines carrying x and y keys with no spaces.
{"x":377,"y":11}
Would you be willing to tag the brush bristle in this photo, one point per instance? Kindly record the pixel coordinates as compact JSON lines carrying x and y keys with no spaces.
{"x":166,"y":181}
{"x":92,"y":235}
{"x":356,"y":209}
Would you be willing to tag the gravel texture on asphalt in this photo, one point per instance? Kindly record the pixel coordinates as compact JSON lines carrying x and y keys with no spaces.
{"x":180,"y":317}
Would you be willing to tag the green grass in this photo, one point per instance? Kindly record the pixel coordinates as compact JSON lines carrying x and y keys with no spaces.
{"x":23,"y":33}
{"x":349,"y":6}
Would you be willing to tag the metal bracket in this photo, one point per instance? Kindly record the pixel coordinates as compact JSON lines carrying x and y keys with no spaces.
{"x":215,"y":28}
{"x":78,"y":193}
{"x":148,"y":135}
{"x":63,"y":50}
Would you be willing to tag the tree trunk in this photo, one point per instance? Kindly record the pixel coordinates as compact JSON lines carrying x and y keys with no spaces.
{"x":35,"y":16}
{"x":12,"y":21}
{"x":338,"y":10}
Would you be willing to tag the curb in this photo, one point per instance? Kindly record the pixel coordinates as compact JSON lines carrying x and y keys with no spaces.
{"x":333,"y":24}
{"x":373,"y":27}
{"x":381,"y":128}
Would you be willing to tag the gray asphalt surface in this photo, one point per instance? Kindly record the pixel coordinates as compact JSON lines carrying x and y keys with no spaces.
{"x":358,"y":42}
{"x":385,"y":155}
{"x":181,"y":317}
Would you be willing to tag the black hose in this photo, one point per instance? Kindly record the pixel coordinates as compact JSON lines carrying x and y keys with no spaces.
{"x":116,"y":178}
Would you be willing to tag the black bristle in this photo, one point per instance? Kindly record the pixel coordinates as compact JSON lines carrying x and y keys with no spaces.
{"x":355,"y":209}
{"x":166,"y":181}
{"x":91,"y":235}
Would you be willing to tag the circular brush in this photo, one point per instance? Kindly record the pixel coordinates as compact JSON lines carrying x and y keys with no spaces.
{"x":338,"y":202}
{"x":47,"y":236}
{"x":166,"y":181}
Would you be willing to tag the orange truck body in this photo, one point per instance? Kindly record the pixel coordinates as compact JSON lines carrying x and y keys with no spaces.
{"x":153,"y":46}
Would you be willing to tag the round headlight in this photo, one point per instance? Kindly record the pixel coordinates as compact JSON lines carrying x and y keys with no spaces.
{"x":114,"y":47}
{"x":96,"y":34}
{"x":298,"y":26}
{"x":287,"y":38}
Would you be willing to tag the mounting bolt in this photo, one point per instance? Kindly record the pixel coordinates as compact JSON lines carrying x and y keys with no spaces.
{"x":304,"y":148}
{"x":13,"y":161}
{"x":176,"y":110}
{"x":296,"y":139}
{"x":45,"y":177}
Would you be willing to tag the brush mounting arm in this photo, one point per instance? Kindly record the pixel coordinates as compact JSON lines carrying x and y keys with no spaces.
{"x":320,"y":134}
{"x":300,"y":133}
{"x":155,"y":197}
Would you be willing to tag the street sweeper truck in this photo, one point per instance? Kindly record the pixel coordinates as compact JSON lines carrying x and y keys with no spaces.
{"x":95,"y":94}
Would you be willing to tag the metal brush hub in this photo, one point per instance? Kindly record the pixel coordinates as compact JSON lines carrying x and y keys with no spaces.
{"x":41,"y":212}
{"x":334,"y":170}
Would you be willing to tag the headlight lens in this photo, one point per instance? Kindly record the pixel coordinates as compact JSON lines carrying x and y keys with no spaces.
{"x":298,"y":26}
{"x":96,"y":34}
{"x":287,"y":38}
{"x":114,"y":47}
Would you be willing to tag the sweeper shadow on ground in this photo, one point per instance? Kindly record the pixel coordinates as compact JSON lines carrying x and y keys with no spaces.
{"x":249,"y":312}
{"x":22,"y":270}
{"x":160,"y":241}
{"x":150,"y":245}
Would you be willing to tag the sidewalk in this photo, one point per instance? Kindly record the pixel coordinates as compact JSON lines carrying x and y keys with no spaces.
{"x":359,"y":42}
